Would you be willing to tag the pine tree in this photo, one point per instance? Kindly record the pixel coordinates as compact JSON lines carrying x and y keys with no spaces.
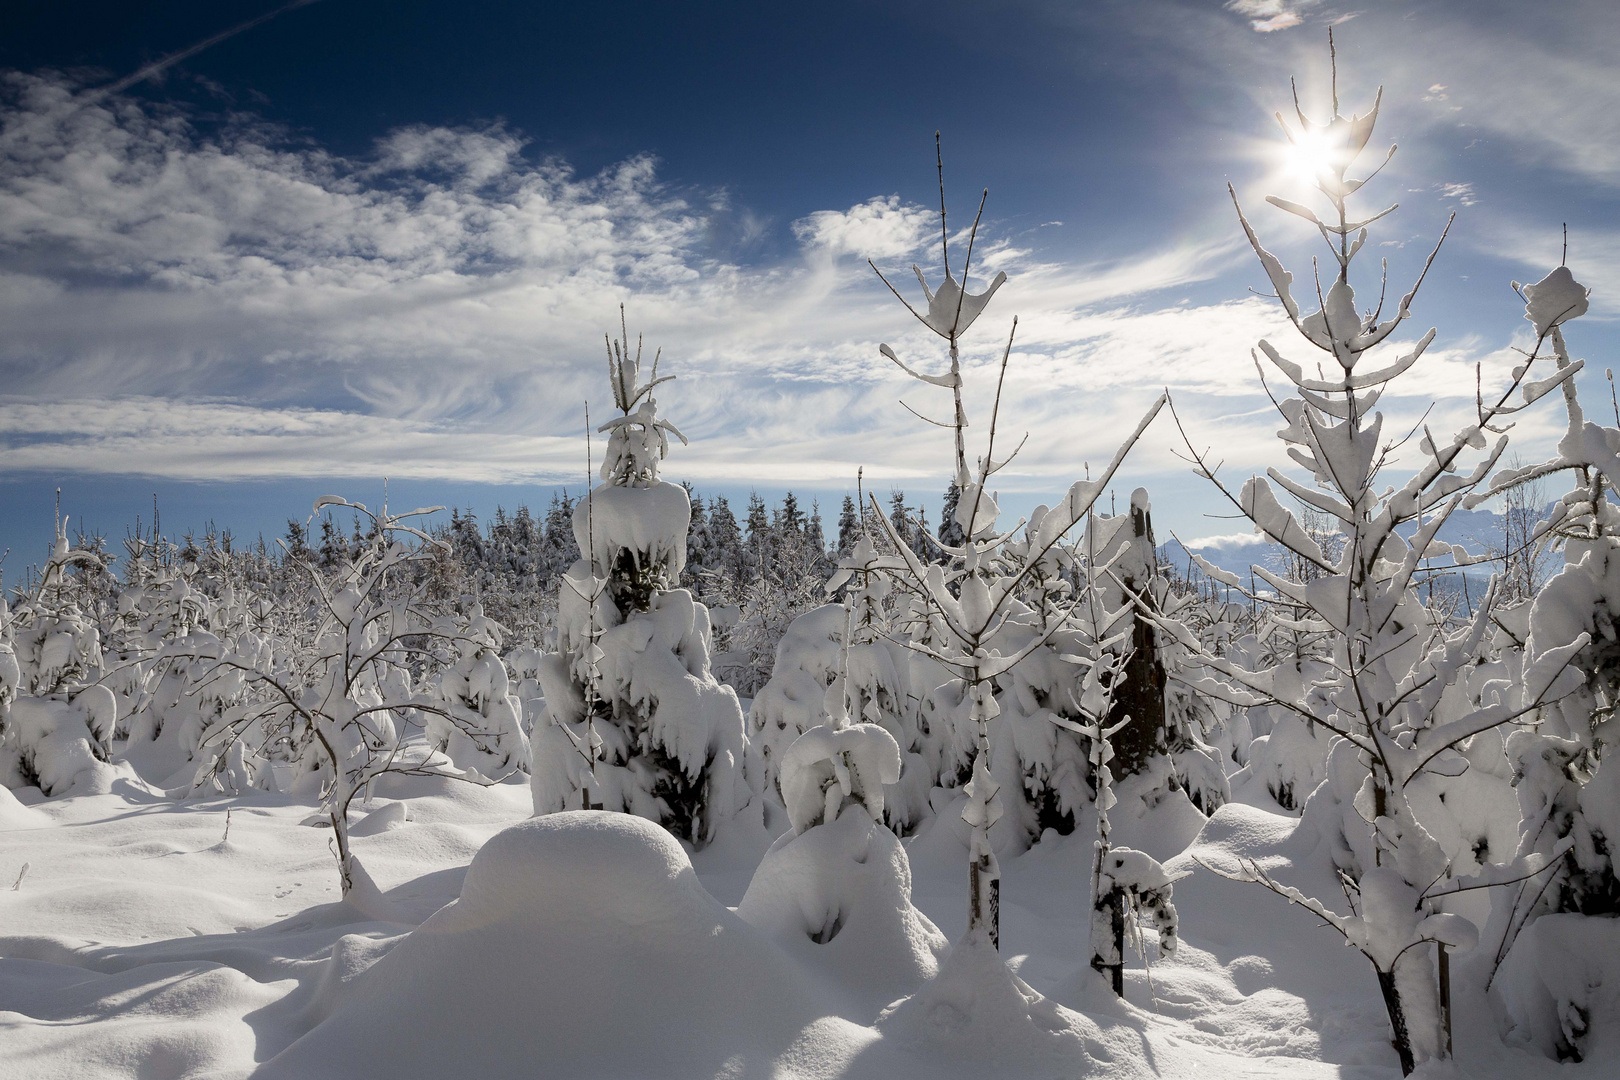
{"x":524,"y":532}
{"x":332,"y":548}
{"x":900,"y":518}
{"x":758,"y":551}
{"x":635,"y":720}
{"x":813,"y":533}
{"x":725,"y":541}
{"x":559,"y":549}
{"x":849,"y":528}
{"x":789,"y":518}
{"x":698,"y":551}
{"x":950,"y":530}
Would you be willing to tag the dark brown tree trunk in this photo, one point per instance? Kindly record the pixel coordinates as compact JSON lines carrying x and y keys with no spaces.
{"x":1397,"y":1020}
{"x":1445,"y":1000}
{"x":1141,"y":693}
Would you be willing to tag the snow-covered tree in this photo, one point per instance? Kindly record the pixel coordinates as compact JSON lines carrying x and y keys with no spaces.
{"x":341,"y":699}
{"x":1568,"y":790}
{"x":845,"y":659}
{"x":481,"y":728}
{"x":634,"y":716}
{"x":56,"y":719}
{"x":969,"y":601}
{"x":1388,"y":690}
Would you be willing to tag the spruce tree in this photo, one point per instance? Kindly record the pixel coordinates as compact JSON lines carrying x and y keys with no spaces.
{"x":950,"y":530}
{"x":758,"y":539}
{"x":725,"y":541}
{"x":849,"y":528}
{"x":813,"y":534}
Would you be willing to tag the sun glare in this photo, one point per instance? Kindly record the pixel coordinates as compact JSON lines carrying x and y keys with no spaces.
{"x":1307,"y":156}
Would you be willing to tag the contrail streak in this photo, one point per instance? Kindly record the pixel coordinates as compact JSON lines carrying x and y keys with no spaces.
{"x":157,"y":67}
{"x":15,"y":131}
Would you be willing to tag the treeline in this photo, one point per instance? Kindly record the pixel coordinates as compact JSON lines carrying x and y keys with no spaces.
{"x":756,"y":573}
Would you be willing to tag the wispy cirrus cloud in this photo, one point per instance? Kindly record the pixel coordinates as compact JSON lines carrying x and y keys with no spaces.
{"x":226,"y":301}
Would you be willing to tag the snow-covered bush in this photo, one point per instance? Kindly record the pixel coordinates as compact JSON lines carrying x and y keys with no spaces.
{"x":853,"y":645}
{"x":1568,"y":791}
{"x":56,"y":721}
{"x":1557,"y":990}
{"x":338,"y":703}
{"x":481,"y":729}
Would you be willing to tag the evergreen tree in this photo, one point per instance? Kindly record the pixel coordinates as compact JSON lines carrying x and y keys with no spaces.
{"x":849,"y":527}
{"x":759,"y":542}
{"x":789,"y":518}
{"x":524,"y":532}
{"x":950,"y":533}
{"x":466,"y":536}
{"x":725,"y":541}
{"x":900,"y":516}
{"x":813,"y":534}
{"x":697,"y":541}
{"x":332,"y":549}
{"x":559,"y":549}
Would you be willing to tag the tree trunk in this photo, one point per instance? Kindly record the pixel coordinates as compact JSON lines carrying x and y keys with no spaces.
{"x":340,"y":833}
{"x":1110,"y":960}
{"x":1397,"y":1020}
{"x":984,"y":898}
{"x":1445,"y":1001}
{"x":1140,"y":694}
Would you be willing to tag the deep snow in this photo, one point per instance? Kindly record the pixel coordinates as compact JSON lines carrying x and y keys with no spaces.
{"x":144,"y":941}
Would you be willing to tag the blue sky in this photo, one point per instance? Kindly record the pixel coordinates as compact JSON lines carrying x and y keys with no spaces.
{"x":359,"y":239}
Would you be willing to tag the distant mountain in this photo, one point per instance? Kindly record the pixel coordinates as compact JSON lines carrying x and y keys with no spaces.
{"x":1476,"y":530}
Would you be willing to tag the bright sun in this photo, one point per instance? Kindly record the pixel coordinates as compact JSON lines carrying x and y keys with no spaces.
{"x":1307,"y":156}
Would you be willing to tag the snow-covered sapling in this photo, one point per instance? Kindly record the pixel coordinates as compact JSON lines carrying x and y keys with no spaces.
{"x":970,"y":596}
{"x":1568,"y":789}
{"x":631,"y":681}
{"x":1382,"y":692}
{"x":56,"y":719}
{"x":339,"y":706}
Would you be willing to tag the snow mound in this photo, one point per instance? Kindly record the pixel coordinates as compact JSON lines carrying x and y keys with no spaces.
{"x":1553,"y":991}
{"x":582,"y":945}
{"x":385,"y":818}
{"x":838,"y":896}
{"x":15,"y":815}
{"x":976,"y":1009}
{"x":180,"y":1019}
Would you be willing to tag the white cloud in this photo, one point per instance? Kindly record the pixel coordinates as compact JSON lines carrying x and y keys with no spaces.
{"x":880,"y":228}
{"x":1462,"y":192}
{"x":235,"y":304}
{"x":1267,"y":16}
{"x":1225,"y":540}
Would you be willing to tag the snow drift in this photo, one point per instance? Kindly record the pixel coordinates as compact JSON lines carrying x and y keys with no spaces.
{"x":582,"y":945}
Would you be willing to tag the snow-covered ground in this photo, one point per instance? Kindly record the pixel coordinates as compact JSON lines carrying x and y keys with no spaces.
{"x":143,"y":941}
